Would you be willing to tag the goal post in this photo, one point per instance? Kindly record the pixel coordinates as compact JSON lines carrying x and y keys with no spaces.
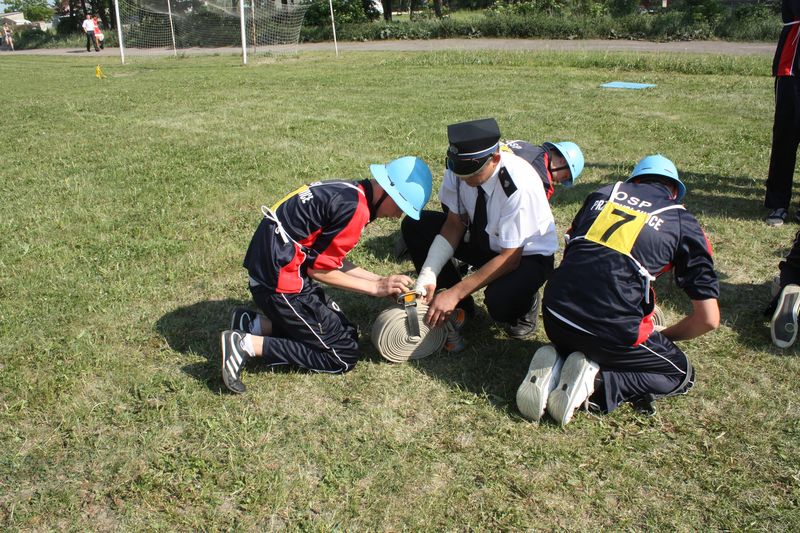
{"x":160,"y":27}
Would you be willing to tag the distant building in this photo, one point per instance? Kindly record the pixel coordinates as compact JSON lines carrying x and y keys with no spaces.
{"x":15,"y":19}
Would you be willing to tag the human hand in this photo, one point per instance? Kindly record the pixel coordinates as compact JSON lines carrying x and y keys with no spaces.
{"x":426,"y":285}
{"x":427,"y":292}
{"x":441,"y":307}
{"x":393,"y":285}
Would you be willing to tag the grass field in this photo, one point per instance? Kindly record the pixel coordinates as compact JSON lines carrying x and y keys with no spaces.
{"x":128,"y":204}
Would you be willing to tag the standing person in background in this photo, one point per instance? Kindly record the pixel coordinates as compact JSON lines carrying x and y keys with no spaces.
{"x":786,"y":126}
{"x":98,"y":33}
{"x":88,"y":29}
{"x":7,"y":39}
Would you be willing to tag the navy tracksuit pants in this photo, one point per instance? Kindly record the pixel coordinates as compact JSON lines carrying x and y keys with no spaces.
{"x":309,"y":331}
{"x":656,"y":367}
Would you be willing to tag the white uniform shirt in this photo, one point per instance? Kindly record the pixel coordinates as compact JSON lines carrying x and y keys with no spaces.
{"x":521,"y":219}
{"x":88,"y":25}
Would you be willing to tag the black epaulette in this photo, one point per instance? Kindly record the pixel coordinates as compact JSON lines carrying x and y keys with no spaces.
{"x":509,"y":187}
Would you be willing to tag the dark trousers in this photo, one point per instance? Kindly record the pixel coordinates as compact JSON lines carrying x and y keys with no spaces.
{"x":90,"y":41}
{"x":508,"y":298}
{"x":309,"y":331}
{"x":656,"y":367}
{"x":785,"y":138}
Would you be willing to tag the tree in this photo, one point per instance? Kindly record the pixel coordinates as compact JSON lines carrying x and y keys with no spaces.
{"x":32,"y":9}
{"x":38,"y":12}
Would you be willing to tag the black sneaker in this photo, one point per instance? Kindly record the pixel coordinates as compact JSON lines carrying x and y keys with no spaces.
{"x":526,"y":326}
{"x":242,"y":318}
{"x":233,"y":360}
{"x":644,"y":404}
{"x":777,"y":217}
{"x":783,"y":326}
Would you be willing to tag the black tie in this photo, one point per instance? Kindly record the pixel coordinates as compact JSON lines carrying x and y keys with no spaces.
{"x":478,"y":229}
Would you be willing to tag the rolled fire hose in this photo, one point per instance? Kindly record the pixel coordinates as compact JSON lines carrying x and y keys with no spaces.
{"x":401,"y":334}
{"x":659,"y":320}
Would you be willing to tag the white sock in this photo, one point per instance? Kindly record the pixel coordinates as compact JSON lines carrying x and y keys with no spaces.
{"x":247,"y":345}
{"x":255,"y":326}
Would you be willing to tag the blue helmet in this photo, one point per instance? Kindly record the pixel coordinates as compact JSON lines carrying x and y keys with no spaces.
{"x":658,"y":165}
{"x":572,"y":153}
{"x":408,"y":181}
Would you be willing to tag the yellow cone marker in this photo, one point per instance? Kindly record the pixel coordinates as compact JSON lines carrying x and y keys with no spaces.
{"x":98,"y":73}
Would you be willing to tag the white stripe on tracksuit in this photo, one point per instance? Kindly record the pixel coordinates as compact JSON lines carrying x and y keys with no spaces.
{"x":345,"y":365}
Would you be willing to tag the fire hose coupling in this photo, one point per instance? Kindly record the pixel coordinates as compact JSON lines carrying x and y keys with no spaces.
{"x":409,"y":302}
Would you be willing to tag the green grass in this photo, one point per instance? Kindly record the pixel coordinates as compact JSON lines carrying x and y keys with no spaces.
{"x":128,"y":204}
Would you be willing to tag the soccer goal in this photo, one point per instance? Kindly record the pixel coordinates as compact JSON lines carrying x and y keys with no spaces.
{"x":159,"y":27}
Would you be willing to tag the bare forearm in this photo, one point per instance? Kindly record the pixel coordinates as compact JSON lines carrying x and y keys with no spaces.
{"x":703,"y":318}
{"x":352,"y":270}
{"x":392,"y":285}
{"x":344,"y":280}
{"x":453,"y":229}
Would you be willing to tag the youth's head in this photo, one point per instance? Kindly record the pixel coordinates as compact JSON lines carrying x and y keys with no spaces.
{"x":474,"y":150}
{"x":659,"y":169}
{"x":406,"y":183}
{"x":565,"y":162}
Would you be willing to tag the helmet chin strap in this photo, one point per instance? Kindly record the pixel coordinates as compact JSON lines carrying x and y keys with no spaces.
{"x":373,"y":208}
{"x":373,"y":211}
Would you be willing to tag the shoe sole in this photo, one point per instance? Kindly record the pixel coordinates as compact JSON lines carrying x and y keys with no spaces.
{"x":226,"y":378}
{"x":543,"y":374}
{"x":575,"y":385}
{"x":783,"y":326}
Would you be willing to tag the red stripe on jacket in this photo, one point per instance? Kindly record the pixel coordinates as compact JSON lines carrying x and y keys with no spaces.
{"x":289,"y":280}
{"x":788,"y":52}
{"x":550,"y":182}
{"x":331,"y":258}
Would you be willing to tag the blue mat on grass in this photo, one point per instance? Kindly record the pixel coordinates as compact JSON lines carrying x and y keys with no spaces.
{"x":626,"y":85}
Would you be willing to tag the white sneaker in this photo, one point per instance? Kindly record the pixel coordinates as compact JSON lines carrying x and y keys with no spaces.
{"x":541,"y":379}
{"x":783,"y":326}
{"x":574,"y":387}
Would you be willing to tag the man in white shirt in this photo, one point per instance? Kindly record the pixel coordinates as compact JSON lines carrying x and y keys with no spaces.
{"x":88,"y":28}
{"x":498,"y":221}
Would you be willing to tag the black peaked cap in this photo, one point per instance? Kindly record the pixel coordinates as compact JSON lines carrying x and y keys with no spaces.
{"x":473,"y":139}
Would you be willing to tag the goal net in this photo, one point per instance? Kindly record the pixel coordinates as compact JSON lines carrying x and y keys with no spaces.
{"x":158,"y":27}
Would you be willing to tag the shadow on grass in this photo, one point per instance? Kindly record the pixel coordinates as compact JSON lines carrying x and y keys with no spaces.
{"x":708,"y":194}
{"x":490,"y":368}
{"x":742,"y":309}
{"x":194,"y":330}
{"x":741,"y":305}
